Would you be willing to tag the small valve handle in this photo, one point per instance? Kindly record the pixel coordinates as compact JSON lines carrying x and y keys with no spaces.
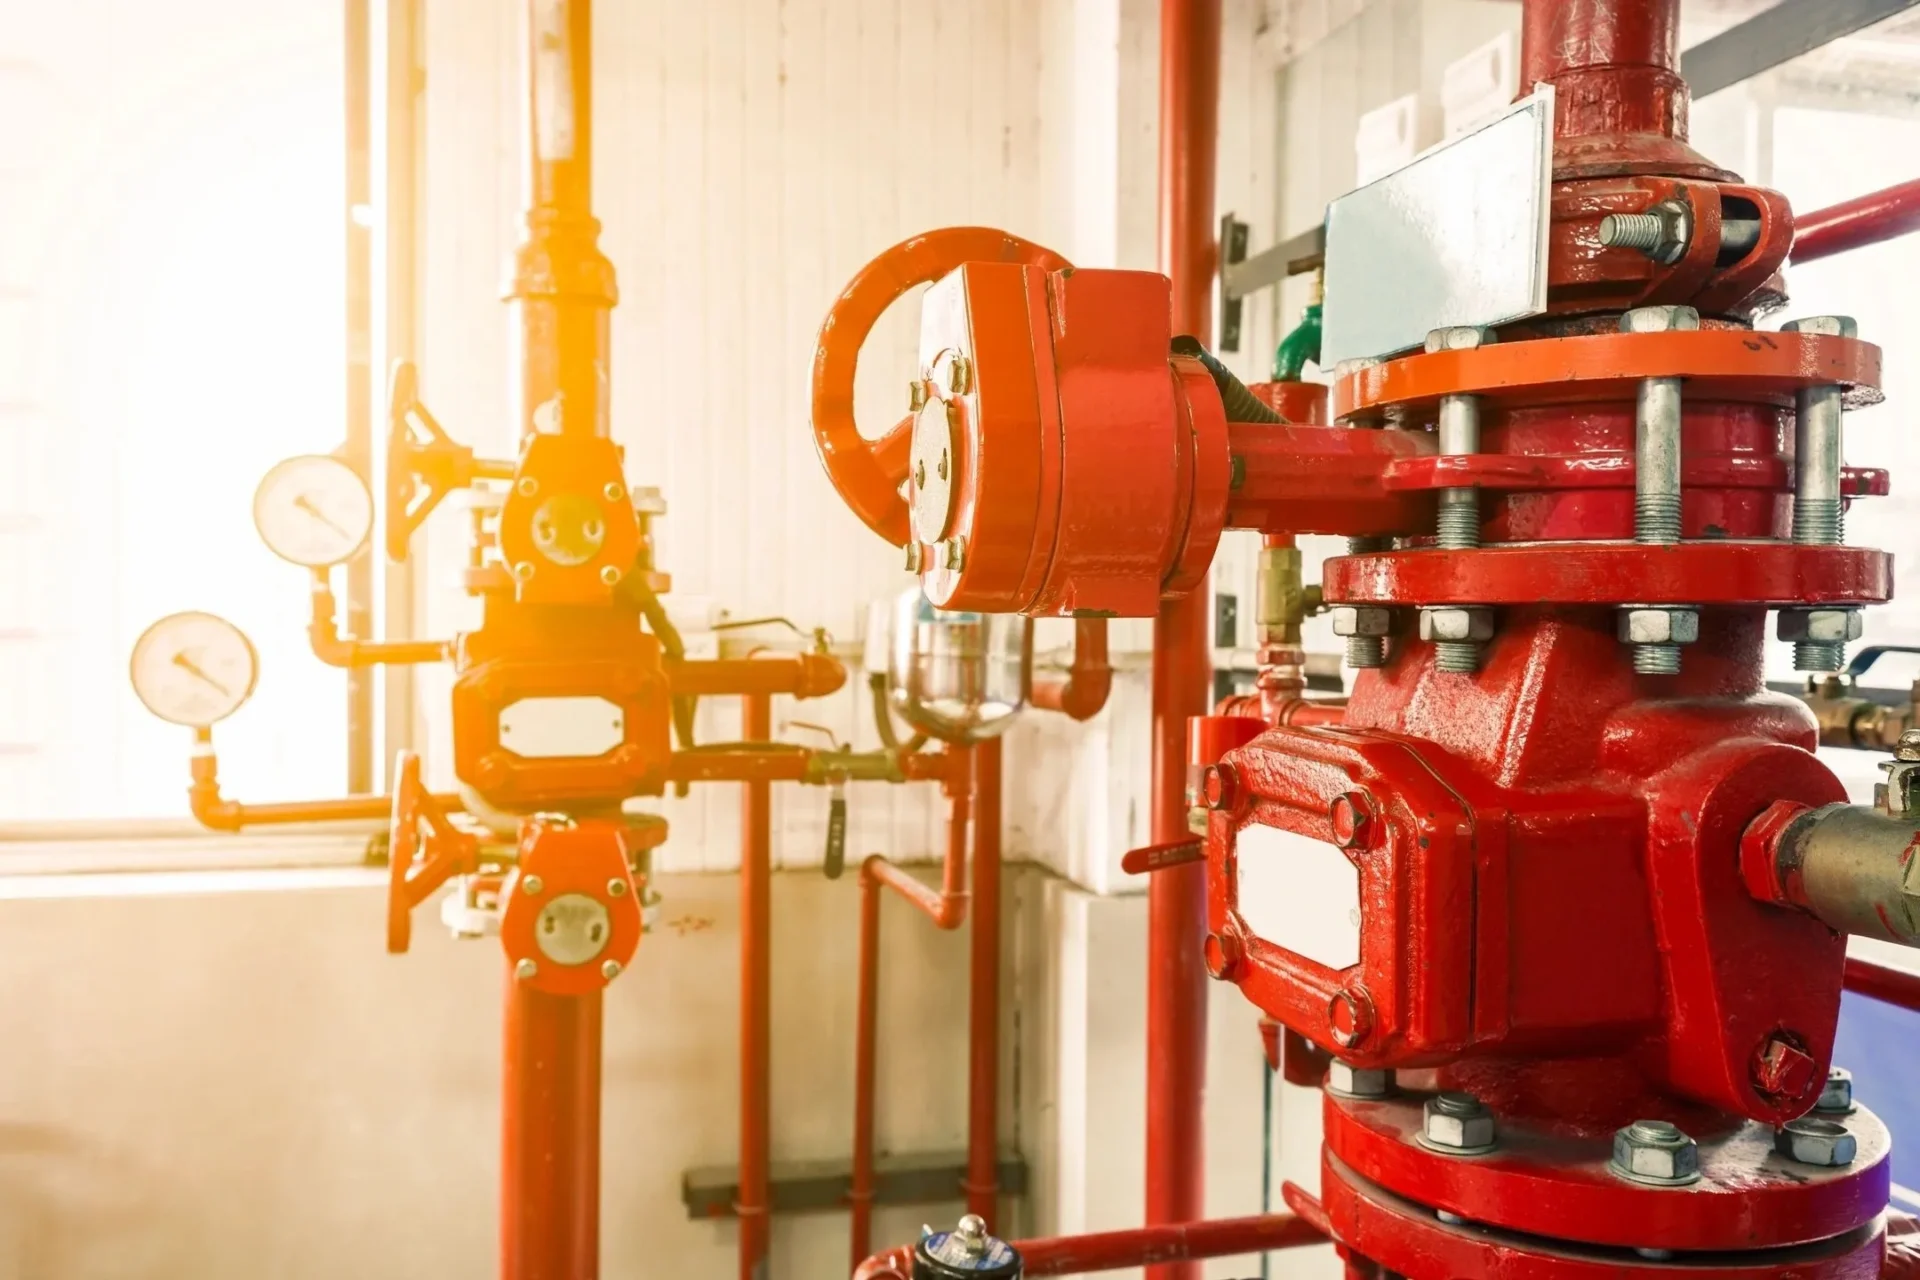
{"x":424,"y":464}
{"x":836,"y":856}
{"x":869,"y":473}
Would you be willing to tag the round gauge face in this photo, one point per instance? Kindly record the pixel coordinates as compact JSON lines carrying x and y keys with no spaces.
{"x":193,"y":668}
{"x":313,"y":510}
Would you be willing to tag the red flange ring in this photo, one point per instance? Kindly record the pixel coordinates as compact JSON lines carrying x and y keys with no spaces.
{"x":1405,"y":1238}
{"x":1702,"y":573}
{"x":864,"y":483}
{"x":1559,"y":1185}
{"x":1718,"y":364}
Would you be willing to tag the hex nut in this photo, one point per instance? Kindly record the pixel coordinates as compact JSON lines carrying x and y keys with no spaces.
{"x":1821,"y":626}
{"x":1662,"y":232}
{"x":1825,"y":1143}
{"x":1361,"y":620}
{"x":1473,"y":624}
{"x":1656,"y":1152}
{"x":1660,"y":320}
{"x":1459,"y":337}
{"x":1458,"y":1123}
{"x":1349,"y":1081}
{"x":1836,"y":1098}
{"x":1824,"y":326}
{"x":1661,"y":625}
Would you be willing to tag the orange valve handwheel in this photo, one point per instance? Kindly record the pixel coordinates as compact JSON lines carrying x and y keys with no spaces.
{"x":418,"y":864}
{"x":868,"y":473}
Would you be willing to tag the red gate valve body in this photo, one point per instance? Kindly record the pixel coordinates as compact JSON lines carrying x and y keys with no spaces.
{"x":1064,"y":461}
{"x":559,"y":706}
{"x":571,"y":914}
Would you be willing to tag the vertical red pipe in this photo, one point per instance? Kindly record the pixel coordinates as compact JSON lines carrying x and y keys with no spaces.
{"x":983,"y":992}
{"x":756,"y":981}
{"x":550,"y":1136}
{"x":1612,"y":62}
{"x":1176,"y":897}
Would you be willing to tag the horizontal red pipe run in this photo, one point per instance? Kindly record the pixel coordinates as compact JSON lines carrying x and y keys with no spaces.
{"x":1112,"y":1250}
{"x":1870,"y":219}
{"x":804,"y":675}
{"x":1883,"y":982}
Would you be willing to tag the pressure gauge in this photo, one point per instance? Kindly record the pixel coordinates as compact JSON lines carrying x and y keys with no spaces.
{"x":313,"y":510}
{"x":193,"y":668}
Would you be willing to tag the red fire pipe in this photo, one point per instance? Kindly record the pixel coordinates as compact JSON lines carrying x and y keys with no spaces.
{"x":1176,"y":897}
{"x":1083,"y":690}
{"x":947,"y":908}
{"x":1112,"y":1250}
{"x":1614,"y":63}
{"x":550,"y":1135}
{"x":982,"y":1184}
{"x":1869,"y":219}
{"x":756,"y":981}
{"x":1882,"y":982}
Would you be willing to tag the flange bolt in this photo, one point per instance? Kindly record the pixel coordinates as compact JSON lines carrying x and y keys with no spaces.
{"x":1656,"y":1153}
{"x":1458,"y":1124}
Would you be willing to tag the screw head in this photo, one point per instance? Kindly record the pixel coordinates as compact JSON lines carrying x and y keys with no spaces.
{"x":526,"y":486}
{"x":1361,"y":620}
{"x":916,"y":555}
{"x":1220,"y":784}
{"x":525,"y":970}
{"x":1350,"y":1016}
{"x":1470,"y":623}
{"x":613,"y":492}
{"x":1224,"y":955}
{"x":1824,"y":326}
{"x":1348,"y":1081}
{"x":610,"y":574}
{"x":523,"y":570}
{"x":1660,"y":320}
{"x":955,"y":553}
{"x":1657,"y":1153}
{"x":1821,"y":626}
{"x":1458,"y":1124}
{"x":916,"y":395}
{"x":616,"y":888}
{"x":531,"y":884}
{"x":610,"y":970}
{"x":1836,"y":1099}
{"x":1781,"y":1070}
{"x":1809,"y":1140}
{"x":959,"y":375}
{"x":1350,"y":816}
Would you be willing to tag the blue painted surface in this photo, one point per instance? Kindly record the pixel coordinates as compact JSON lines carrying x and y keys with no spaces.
{"x":1880,"y":1045}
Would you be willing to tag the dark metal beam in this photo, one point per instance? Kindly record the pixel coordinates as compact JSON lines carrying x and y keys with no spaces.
{"x":1778,"y":35}
{"x":818,"y":1186}
{"x":1270,"y":266}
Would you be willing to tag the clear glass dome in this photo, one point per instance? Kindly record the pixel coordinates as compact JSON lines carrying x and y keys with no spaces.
{"x":959,"y":677}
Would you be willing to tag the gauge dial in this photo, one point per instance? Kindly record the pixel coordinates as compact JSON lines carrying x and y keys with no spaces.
{"x":313,"y":510}
{"x":193,"y":668}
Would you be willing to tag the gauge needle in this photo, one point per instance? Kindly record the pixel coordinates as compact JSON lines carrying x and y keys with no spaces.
{"x":193,"y":669}
{"x":308,"y":505}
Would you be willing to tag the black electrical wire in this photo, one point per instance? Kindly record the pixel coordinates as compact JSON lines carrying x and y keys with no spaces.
{"x":1241,"y":404}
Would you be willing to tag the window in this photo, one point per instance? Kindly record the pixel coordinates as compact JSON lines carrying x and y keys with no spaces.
{"x":171,"y":324}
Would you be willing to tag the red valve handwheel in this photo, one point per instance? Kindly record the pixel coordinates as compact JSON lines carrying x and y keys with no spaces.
{"x":448,"y":851}
{"x":868,"y":473}
{"x":420,"y":471}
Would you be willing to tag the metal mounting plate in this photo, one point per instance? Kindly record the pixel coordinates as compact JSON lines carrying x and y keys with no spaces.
{"x":1457,"y":237}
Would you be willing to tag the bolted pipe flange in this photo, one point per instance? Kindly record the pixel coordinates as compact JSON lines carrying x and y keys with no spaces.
{"x":1344,"y":1080}
{"x":1458,"y":1124}
{"x":1836,"y":1098}
{"x":1656,"y":1154}
{"x":1809,"y":1140}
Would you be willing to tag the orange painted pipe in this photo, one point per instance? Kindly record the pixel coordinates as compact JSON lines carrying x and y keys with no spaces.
{"x":1182,"y":658}
{"x":756,"y":1002}
{"x":323,"y":635}
{"x":947,"y":908}
{"x":982,"y":1184}
{"x":217,"y":813}
{"x":550,"y":1134}
{"x":788,"y":764}
{"x":1083,"y":691}
{"x":804,"y":675}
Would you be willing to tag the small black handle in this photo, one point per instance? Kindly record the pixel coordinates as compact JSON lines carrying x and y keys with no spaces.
{"x":836,"y":860}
